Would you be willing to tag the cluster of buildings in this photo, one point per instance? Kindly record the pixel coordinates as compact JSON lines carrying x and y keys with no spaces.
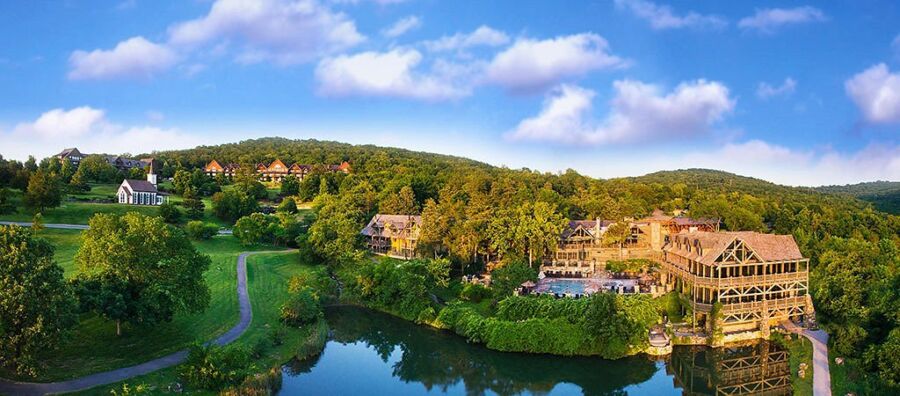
{"x":757,"y":280}
{"x":121,"y":163}
{"x":275,"y":171}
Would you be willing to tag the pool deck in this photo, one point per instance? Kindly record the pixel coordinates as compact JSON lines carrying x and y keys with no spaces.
{"x":585,"y":286}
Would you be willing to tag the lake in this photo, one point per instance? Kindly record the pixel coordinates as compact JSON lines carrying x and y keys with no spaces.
{"x":371,"y":353}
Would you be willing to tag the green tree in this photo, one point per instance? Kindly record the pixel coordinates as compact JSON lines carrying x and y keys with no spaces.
{"x":199,"y":230}
{"x":290,"y":186}
{"x":169,"y":213}
{"x":253,"y":229}
{"x":509,"y":276}
{"x":44,"y":191}
{"x":137,"y":269}
{"x":36,"y":305}
{"x":403,"y":203}
{"x":287,"y":206}
{"x":193,"y":206}
{"x":233,"y":204}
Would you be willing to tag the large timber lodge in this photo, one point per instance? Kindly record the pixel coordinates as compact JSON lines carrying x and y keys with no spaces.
{"x":749,"y":280}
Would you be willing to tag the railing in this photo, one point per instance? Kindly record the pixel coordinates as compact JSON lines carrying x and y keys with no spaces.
{"x":762,"y":280}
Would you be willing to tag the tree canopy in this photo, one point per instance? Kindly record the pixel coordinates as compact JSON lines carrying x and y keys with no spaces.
{"x":36,"y":305}
{"x":139,"y":270}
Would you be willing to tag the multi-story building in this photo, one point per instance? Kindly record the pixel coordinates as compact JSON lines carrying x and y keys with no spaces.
{"x":393,"y":235}
{"x":585,"y":246}
{"x":748,"y":280}
{"x":275,"y":171}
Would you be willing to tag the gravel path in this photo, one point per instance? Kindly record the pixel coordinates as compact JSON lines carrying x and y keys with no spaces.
{"x":109,"y":377}
{"x":821,"y":371}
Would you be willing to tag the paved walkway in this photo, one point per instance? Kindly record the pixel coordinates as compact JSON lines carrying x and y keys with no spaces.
{"x":821,"y":372}
{"x":109,"y":377}
{"x":75,"y":226}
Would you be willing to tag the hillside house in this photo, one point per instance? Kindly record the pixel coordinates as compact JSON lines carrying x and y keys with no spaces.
{"x":393,"y":235}
{"x":72,"y":155}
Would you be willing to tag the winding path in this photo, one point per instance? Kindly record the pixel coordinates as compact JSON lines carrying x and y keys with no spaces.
{"x":821,"y":371}
{"x":30,"y":388}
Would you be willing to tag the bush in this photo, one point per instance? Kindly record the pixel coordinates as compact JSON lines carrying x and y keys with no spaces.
{"x":287,"y":206}
{"x":474,"y":292}
{"x":199,"y":230}
{"x":215,"y":368}
{"x":169,"y":213}
{"x":302,"y":308}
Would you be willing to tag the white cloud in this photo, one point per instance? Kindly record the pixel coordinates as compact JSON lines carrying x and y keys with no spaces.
{"x":379,"y":2}
{"x":530,"y":65}
{"x":88,"y":129}
{"x":61,"y":123}
{"x":133,"y":58}
{"x":402,"y":26}
{"x":812,"y":167}
{"x":770,"y":19}
{"x":639,"y":112}
{"x":876,"y":91}
{"x":662,"y":17}
{"x":482,"y":36}
{"x":392,"y":74}
{"x":765,"y":91}
{"x":282,"y":31}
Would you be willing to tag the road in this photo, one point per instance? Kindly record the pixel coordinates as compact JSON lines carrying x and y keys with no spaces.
{"x":821,"y":372}
{"x":75,"y":226}
{"x":109,"y":377}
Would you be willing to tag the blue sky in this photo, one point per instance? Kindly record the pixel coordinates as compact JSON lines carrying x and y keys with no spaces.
{"x":800,"y":93}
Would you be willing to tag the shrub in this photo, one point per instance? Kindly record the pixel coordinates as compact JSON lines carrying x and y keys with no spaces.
{"x":302,"y":308}
{"x":288,"y":206}
{"x":169,"y":213}
{"x":474,"y":292}
{"x":199,"y":230}
{"x":214,"y":367}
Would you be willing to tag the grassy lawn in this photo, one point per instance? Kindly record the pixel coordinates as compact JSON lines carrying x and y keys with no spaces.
{"x":93,"y":346}
{"x":800,"y":352}
{"x":66,"y":243}
{"x":74,"y":212}
{"x":267,"y":281}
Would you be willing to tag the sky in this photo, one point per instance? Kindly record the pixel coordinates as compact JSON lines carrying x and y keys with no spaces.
{"x":798,"y":93}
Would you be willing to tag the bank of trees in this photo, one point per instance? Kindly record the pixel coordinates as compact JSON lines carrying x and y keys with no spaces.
{"x":472,"y":215}
{"x":36,"y":305}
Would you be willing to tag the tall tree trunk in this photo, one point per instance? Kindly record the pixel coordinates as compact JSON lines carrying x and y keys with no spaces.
{"x":118,"y":328}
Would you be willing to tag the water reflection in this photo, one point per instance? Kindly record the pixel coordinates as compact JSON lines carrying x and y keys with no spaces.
{"x":374,"y":353}
{"x":763,"y":368}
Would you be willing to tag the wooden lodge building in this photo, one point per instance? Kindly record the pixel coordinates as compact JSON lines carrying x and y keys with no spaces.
{"x":582,"y":249}
{"x":759,"y":279}
{"x":393,"y":235}
{"x":275,"y":171}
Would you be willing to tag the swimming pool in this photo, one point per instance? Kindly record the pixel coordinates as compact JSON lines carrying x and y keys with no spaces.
{"x":564,"y":286}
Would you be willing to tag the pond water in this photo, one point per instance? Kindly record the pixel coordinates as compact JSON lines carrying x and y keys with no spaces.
{"x":370,"y":353}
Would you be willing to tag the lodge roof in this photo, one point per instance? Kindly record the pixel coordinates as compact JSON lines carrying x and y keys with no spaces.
{"x":67,"y":152}
{"x":393,"y":226}
{"x":768,"y":247}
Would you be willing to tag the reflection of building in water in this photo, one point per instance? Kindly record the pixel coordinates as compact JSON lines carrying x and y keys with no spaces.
{"x":760,"y":369}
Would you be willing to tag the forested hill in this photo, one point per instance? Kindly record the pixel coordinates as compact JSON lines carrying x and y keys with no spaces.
{"x":309,"y":151}
{"x":884,"y":195}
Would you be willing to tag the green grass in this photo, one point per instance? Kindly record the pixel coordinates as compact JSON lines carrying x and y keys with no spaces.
{"x":800,"y":352}
{"x":66,"y":244}
{"x":267,"y":281}
{"x":74,"y":212}
{"x":93,"y":347}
